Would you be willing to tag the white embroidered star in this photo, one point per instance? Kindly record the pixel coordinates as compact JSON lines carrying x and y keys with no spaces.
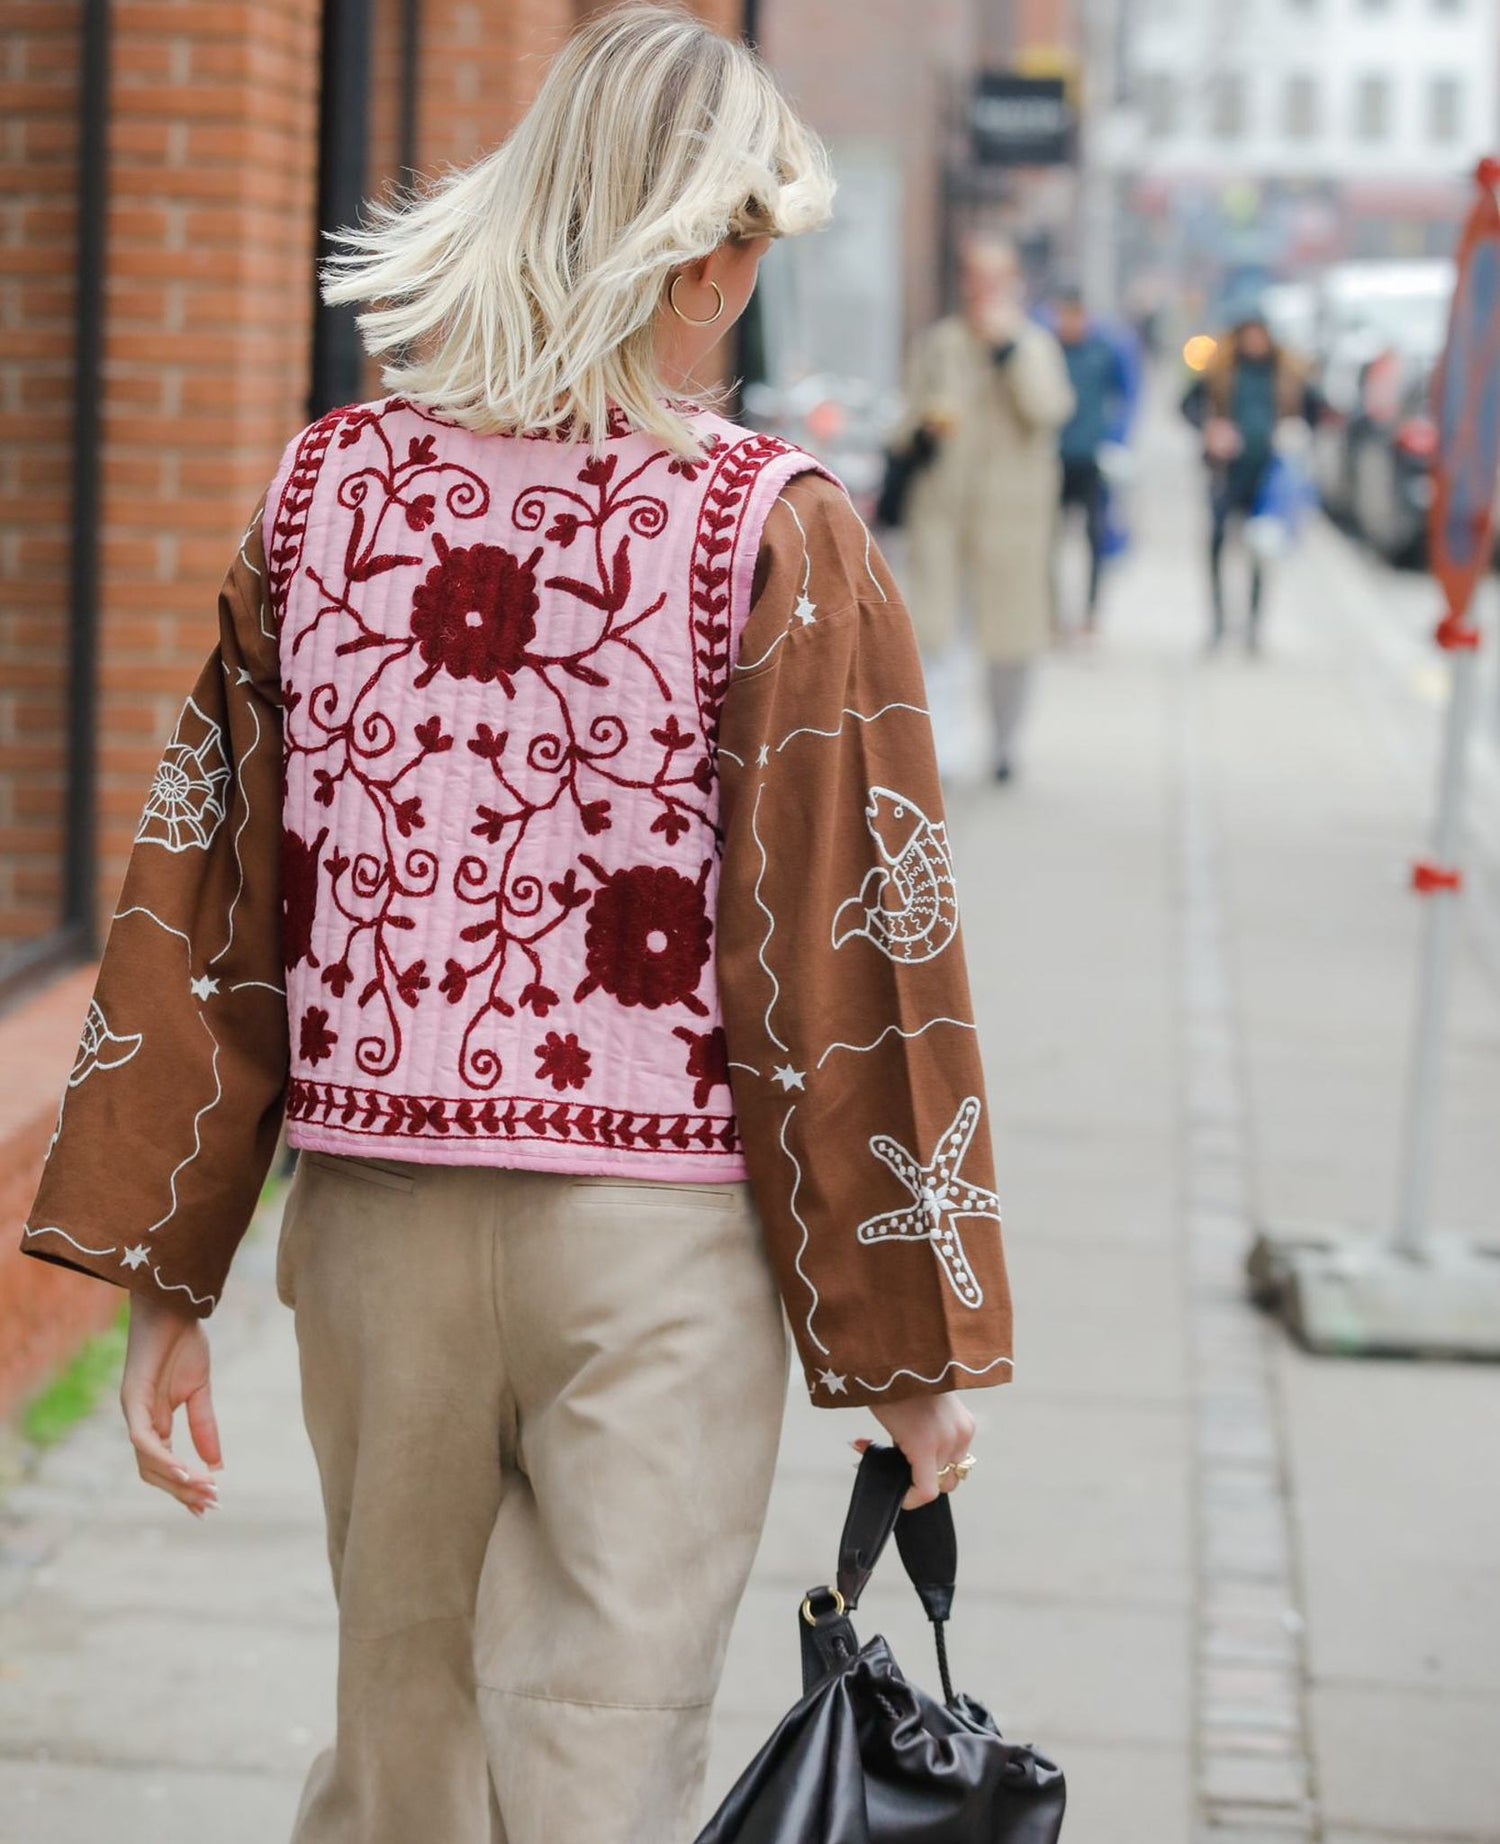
{"x":805,"y":610}
{"x":133,"y":1258}
{"x":941,"y":1197}
{"x":764,"y":757}
{"x":833,"y":1384}
{"x":243,"y":677}
{"x":204,"y":987}
{"x":790,"y":1078}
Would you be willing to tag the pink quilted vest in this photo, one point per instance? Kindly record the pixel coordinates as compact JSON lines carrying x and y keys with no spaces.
{"x":502,"y":664}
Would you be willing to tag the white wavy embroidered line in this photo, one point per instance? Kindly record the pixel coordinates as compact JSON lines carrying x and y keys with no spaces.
{"x":771,"y":930}
{"x":750,"y":665}
{"x":240,"y":985}
{"x":140,"y":909}
{"x":896,"y":704}
{"x":739,"y":760}
{"x":952,"y":1364}
{"x":180,"y":1287}
{"x":239,"y":830}
{"x":51,"y":1229}
{"x":265,"y":600}
{"x":963,"y":1024}
{"x":208,"y":1106}
{"x":806,"y":556}
{"x":869,"y":540}
{"x":748,"y":1068}
{"x":806,"y":1232}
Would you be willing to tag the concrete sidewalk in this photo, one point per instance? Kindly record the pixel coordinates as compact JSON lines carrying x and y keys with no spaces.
{"x":1242,"y":1594}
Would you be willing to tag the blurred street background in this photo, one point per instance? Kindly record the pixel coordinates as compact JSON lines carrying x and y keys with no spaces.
{"x":1242,"y":1592}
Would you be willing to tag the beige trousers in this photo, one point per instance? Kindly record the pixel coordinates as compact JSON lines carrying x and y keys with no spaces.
{"x":545,"y":1412}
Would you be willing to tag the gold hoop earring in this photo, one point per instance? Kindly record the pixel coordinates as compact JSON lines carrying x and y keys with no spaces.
{"x":715,"y":315}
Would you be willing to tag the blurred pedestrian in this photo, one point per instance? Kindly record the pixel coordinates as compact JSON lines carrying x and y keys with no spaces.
{"x":1101,"y":387}
{"x":1251,"y":387}
{"x":557,"y":802}
{"x":986,"y":393}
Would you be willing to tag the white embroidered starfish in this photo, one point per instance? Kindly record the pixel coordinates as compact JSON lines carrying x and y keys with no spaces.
{"x":204,"y":987}
{"x":790,"y":1078}
{"x":941,"y":1197}
{"x":806,"y":610}
{"x":133,"y":1258}
{"x":833,"y":1383}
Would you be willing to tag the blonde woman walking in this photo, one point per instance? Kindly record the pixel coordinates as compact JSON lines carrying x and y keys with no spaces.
{"x":553,"y":840}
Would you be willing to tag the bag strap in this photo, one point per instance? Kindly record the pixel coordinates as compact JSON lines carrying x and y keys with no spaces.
{"x":925,"y":1538}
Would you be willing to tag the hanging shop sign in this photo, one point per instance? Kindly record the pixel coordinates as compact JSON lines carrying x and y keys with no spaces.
{"x":1020,"y":121}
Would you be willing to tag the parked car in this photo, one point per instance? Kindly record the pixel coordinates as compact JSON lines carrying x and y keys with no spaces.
{"x":1392,"y":446}
{"x":1366,"y":311}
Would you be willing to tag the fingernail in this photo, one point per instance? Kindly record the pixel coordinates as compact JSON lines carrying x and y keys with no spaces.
{"x":182,"y":1473}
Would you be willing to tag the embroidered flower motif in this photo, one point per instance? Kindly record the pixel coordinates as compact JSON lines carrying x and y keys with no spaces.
{"x":316,"y":1041}
{"x":708,"y":1061}
{"x":474,"y":615}
{"x":185,"y":807}
{"x":647,"y":936}
{"x":563,"y":1061}
{"x":299,"y":897}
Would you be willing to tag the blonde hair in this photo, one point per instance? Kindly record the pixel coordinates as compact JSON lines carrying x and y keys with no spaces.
{"x":521,"y":293}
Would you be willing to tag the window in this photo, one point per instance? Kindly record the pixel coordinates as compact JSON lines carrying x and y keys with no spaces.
{"x":1445,"y":110}
{"x":1159,"y":101}
{"x":1227,"y":106}
{"x":1299,"y":108}
{"x":1372,"y":108}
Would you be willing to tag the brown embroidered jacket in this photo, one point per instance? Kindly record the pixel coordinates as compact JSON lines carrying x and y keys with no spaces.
{"x":854,"y":1063}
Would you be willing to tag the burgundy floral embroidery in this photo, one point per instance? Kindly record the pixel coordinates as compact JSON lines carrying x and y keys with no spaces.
{"x":371,"y":1111}
{"x":474,"y":614}
{"x":563,"y":1061}
{"x":466,"y":708}
{"x":708,"y":1061}
{"x":317,"y":1040}
{"x":647,"y":937}
{"x":299,"y":897}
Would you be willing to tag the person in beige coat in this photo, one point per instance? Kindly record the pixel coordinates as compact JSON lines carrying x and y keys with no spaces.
{"x":987,"y":391}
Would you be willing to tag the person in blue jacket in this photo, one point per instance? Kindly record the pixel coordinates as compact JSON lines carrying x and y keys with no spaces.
{"x":1101,"y":389}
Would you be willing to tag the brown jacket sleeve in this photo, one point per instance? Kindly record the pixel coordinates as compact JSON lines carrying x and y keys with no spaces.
{"x":850,"y":1032}
{"x":170,"y":1115}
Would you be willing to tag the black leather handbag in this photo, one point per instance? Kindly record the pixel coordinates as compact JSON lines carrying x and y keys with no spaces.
{"x":866,"y":1757}
{"x":901,"y":467}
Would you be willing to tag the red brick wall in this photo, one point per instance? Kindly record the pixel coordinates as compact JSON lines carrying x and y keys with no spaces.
{"x":213,"y":150}
{"x":38,"y":95}
{"x":213,"y":158}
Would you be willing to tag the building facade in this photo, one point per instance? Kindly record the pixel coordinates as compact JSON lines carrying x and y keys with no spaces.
{"x":167,"y":167}
{"x":1304,"y":130}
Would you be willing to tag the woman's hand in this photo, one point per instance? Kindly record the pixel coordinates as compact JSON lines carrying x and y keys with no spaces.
{"x":166,"y":1366}
{"x":933,"y":1432}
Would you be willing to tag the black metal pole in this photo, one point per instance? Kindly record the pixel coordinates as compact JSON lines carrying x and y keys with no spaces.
{"x":411,"y":71}
{"x":750,"y":363}
{"x":81,"y":857}
{"x":343,"y":155}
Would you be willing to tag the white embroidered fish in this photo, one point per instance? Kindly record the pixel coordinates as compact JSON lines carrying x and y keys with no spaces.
{"x":907,"y":905}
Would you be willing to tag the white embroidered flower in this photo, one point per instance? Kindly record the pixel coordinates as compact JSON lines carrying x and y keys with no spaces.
{"x":185,"y":807}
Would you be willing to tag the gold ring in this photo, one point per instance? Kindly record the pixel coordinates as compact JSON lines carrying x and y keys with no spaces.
{"x":966,"y":1466}
{"x":807,"y":1612}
